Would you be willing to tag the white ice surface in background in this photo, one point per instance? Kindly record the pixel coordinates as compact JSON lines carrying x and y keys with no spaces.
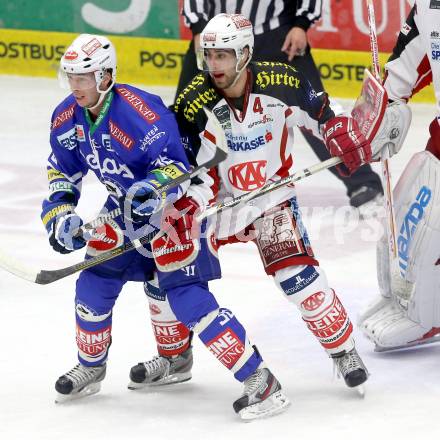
{"x":37,"y":342}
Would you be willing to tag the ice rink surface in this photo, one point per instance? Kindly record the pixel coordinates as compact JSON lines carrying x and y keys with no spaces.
{"x":37,"y":322}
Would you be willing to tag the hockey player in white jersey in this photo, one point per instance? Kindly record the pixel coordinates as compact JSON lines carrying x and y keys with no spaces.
{"x":407,"y":313}
{"x":258,"y":104}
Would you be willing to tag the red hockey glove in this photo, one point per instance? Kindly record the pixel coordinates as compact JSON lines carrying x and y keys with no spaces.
{"x":178,"y":246}
{"x":343,"y":139}
{"x":178,"y":218}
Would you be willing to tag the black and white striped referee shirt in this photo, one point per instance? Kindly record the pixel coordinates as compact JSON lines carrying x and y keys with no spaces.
{"x":265,"y":15}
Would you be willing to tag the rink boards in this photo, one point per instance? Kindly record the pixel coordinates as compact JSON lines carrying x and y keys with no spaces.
{"x":154,"y":61}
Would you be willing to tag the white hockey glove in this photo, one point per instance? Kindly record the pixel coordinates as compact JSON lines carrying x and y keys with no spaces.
{"x":392,"y":131}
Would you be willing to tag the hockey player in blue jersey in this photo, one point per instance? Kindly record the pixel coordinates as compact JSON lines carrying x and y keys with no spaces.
{"x":131,"y":142}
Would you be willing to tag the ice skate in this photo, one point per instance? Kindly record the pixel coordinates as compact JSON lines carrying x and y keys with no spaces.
{"x":79,"y":382}
{"x":162,"y":371}
{"x":262,"y":396}
{"x":350,"y":367}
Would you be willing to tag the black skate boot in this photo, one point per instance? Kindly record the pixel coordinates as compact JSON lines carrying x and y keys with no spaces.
{"x":350,"y":366}
{"x":162,"y":371}
{"x":80,"y":381}
{"x":262,"y":396}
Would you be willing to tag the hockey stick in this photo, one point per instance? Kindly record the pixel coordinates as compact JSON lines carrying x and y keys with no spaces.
{"x":269,"y":187}
{"x":386,"y":176}
{"x":219,"y":156}
{"x":49,"y":276}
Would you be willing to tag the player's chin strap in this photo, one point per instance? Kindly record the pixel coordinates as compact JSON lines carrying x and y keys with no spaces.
{"x":240,"y":71}
{"x":102,"y":94}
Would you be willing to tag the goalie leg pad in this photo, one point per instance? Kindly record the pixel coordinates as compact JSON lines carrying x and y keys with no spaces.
{"x":172,"y":337}
{"x":321,"y":309}
{"x":412,"y":309}
{"x":417,"y":197}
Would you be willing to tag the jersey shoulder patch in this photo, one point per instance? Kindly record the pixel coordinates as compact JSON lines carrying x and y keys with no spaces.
{"x":141,"y":102}
{"x":63,"y":112}
{"x":197,"y":94}
{"x":276,"y":79}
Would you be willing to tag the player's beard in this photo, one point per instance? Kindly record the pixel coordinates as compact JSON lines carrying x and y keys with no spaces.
{"x":225,"y":81}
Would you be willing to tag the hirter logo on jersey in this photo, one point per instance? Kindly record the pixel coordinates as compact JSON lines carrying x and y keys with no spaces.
{"x":248,"y":176}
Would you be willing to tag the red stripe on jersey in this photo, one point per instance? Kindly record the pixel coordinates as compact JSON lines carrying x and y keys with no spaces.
{"x":208,"y":135}
{"x":425,"y":75}
{"x":286,"y":162}
{"x":213,"y":173}
{"x":288,"y":112}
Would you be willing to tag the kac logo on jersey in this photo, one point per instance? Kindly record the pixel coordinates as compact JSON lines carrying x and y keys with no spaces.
{"x":410,"y":222}
{"x":248,"y":176}
{"x":68,"y":139}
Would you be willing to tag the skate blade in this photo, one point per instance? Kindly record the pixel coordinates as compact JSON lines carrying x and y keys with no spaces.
{"x":271,"y":406}
{"x":89,"y":390}
{"x":360,"y":390}
{"x":169,"y":380}
{"x":417,"y":343}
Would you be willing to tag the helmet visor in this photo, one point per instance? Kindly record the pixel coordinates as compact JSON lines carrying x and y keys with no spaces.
{"x":76,"y":81}
{"x":216,"y":60}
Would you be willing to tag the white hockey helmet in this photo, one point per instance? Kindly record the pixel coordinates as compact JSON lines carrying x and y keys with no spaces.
{"x":90,"y":53}
{"x":227,"y":31}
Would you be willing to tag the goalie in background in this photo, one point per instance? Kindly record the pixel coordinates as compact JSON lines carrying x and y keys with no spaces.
{"x":407,"y":312}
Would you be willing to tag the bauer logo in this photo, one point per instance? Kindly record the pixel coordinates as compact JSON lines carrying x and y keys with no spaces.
{"x":68,"y":139}
{"x":300,"y":281}
{"x":409,"y":225}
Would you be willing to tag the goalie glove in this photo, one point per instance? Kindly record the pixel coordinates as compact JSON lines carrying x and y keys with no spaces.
{"x":343,"y":139}
{"x":392,"y":130}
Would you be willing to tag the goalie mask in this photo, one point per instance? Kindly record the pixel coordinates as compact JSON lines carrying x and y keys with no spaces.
{"x":88,"y":54}
{"x":228,"y":33}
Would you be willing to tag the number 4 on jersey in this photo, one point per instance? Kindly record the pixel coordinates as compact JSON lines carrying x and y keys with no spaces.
{"x":258,"y":108}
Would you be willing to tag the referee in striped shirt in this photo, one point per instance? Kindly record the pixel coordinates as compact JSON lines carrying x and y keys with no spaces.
{"x":280,"y":28}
